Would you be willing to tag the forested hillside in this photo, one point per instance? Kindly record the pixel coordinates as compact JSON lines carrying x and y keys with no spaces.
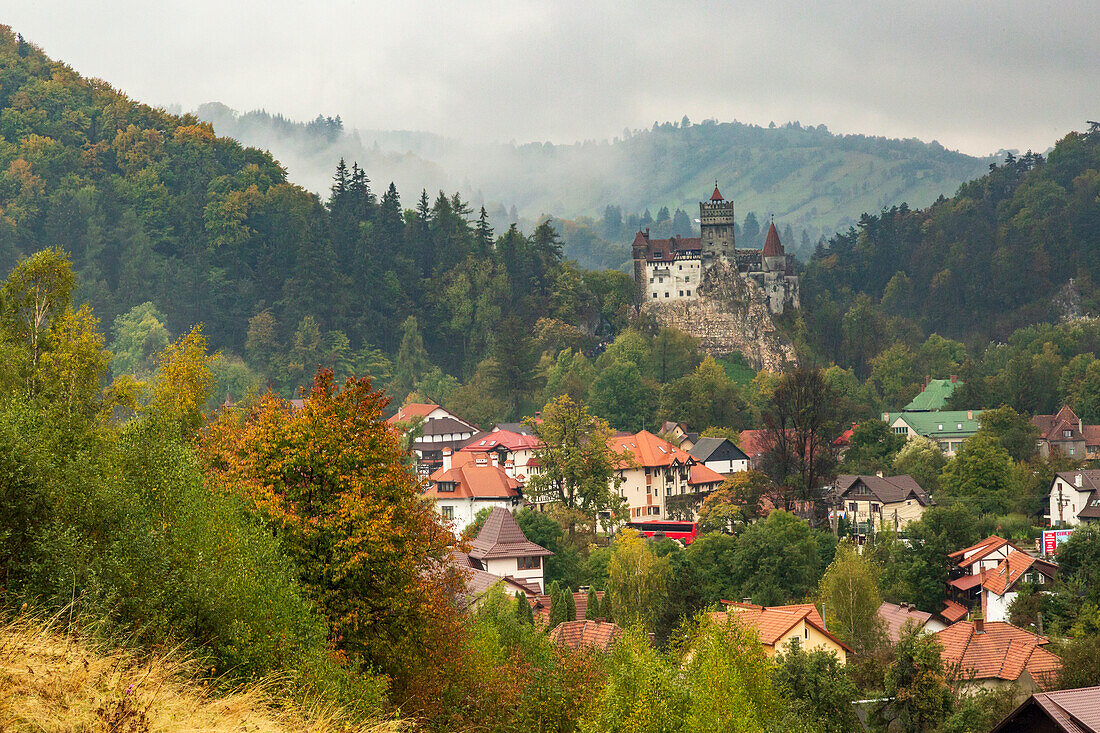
{"x":169,"y":225}
{"x":809,"y":178}
{"x":1018,"y":246}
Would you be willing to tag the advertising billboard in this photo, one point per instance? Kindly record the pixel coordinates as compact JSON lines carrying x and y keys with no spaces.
{"x":1054,"y":537}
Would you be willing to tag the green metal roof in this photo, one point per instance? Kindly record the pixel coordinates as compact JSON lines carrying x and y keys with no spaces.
{"x":945,"y":423}
{"x":933,"y":397}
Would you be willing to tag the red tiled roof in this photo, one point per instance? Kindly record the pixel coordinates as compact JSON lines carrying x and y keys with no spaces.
{"x":1051,"y":427}
{"x":1092,"y":435}
{"x":953,"y":611}
{"x":753,"y":442}
{"x":596,"y":634}
{"x":716,"y":196}
{"x":502,"y":439}
{"x":580,"y":602}
{"x":411,"y":410}
{"x":665,"y":250}
{"x":1011,"y":569}
{"x":896,"y":616}
{"x":501,"y":537}
{"x":966,"y":582}
{"x":1002,"y":651}
{"x":700,"y":474}
{"x":649,"y":450}
{"x":473,"y":482}
{"x":772,"y":246}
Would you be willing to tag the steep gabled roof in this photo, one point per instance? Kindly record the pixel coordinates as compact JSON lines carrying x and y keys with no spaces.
{"x":704,"y":448}
{"x":887,"y":489}
{"x":649,"y":450}
{"x":772,"y":246}
{"x":1002,"y":651}
{"x":502,"y":537}
{"x":1052,"y":427}
{"x":1003,"y":577}
{"x":1072,"y":711}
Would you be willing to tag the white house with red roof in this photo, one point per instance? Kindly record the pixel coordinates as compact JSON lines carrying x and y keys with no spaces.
{"x":654,"y":471}
{"x":1074,"y":498}
{"x":502,"y":549}
{"x":438,"y":429}
{"x":513,"y":451}
{"x":985,"y":577}
{"x":466,"y":483}
{"x":994,"y":655}
{"x":1001,"y":585}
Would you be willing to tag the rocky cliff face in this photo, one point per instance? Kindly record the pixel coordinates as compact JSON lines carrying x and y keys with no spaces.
{"x":731,"y":314}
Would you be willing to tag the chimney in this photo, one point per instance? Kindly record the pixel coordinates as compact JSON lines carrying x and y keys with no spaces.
{"x":979,"y":624}
{"x":927,"y":379}
{"x":969,"y":414}
{"x":446,"y":459}
{"x":1078,"y":480}
{"x":878,"y":473}
{"x":954,"y":379}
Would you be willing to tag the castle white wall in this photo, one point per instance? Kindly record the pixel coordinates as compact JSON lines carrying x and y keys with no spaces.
{"x":675,"y":280}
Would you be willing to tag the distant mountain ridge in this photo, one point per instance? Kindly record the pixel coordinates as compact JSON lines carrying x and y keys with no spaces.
{"x":808,"y":177}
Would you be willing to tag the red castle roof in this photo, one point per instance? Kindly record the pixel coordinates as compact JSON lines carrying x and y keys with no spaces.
{"x":716,"y":196}
{"x":772,"y":246}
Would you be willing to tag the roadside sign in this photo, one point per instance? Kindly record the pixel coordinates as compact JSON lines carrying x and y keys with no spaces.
{"x":1054,"y":537}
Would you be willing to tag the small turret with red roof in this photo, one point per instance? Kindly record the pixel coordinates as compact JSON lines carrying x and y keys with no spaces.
{"x":775,"y":259}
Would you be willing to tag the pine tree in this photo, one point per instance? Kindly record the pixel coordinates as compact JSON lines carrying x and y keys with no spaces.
{"x":570,"y":605}
{"x":592,"y":607}
{"x":339,"y":184}
{"x":605,"y":608}
{"x":523,"y":608}
{"x":412,"y":359}
{"x":483,"y":234}
{"x":558,"y":610}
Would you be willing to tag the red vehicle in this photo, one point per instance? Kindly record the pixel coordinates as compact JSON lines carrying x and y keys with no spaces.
{"x":685,"y":532}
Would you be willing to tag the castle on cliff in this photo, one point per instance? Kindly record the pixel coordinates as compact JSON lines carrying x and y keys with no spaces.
{"x":673,"y":269}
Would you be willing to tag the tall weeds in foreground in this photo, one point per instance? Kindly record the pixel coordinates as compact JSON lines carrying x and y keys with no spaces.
{"x":54,"y":677}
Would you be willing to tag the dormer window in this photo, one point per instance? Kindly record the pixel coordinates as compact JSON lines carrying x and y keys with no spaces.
{"x":447,"y":486}
{"x":1067,"y":433}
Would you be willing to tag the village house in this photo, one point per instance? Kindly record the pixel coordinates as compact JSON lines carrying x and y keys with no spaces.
{"x":502,"y":549}
{"x":512,"y":451}
{"x":777,"y":626}
{"x":655,"y":472}
{"x":1074,"y":498}
{"x":948,"y":429}
{"x":754,"y":444}
{"x":934,"y":396}
{"x":984,"y":577}
{"x":993,"y":655}
{"x":1067,"y":434}
{"x":478,"y":582}
{"x":438,"y":429}
{"x":466,"y":483}
{"x":877,"y":502}
{"x":1059,"y":711}
{"x":720,"y":455}
{"x":678,"y":434}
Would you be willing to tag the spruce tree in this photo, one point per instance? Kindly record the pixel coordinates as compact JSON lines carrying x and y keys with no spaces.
{"x":592,"y":607}
{"x":483,"y":234}
{"x":557,"y":606}
{"x":523,"y":608}
{"x":570,"y":605}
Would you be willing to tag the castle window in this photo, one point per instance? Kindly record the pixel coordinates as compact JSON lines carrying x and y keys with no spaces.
{"x":689,"y":293}
{"x":687,"y":279}
{"x":655,"y":295}
{"x":681,"y":293}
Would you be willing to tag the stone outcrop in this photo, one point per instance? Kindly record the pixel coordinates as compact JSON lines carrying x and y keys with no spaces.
{"x":730,"y":314}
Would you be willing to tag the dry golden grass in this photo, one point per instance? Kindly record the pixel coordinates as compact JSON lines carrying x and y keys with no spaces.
{"x":54,"y":681}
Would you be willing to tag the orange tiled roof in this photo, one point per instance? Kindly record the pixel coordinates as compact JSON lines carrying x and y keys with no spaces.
{"x":473,"y":482}
{"x":895,"y":616}
{"x":596,"y":634}
{"x":772,"y":622}
{"x":1011,"y":569}
{"x":700,"y":474}
{"x":411,"y":410}
{"x":1002,"y":652}
{"x":988,"y":544}
{"x":953,"y":611}
{"x":649,"y":450}
{"x":506,"y":439}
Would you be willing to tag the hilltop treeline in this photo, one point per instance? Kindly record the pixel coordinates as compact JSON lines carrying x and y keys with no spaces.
{"x":1015,"y":247}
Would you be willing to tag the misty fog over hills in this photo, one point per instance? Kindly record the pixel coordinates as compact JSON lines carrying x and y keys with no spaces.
{"x":810,"y":179}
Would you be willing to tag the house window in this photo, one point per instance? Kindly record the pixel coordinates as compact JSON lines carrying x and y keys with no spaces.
{"x":447,"y":486}
{"x":853,"y":507}
{"x":528,"y":563}
{"x":902,"y":430}
{"x":1067,"y":433}
{"x":1072,"y":451}
{"x":448,"y":512}
{"x":959,"y":426}
{"x":940,"y":426}
{"x":655,"y":510}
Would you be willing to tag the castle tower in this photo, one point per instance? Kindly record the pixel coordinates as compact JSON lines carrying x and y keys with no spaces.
{"x":716,"y":221}
{"x":639,"y":248}
{"x":775,"y":259}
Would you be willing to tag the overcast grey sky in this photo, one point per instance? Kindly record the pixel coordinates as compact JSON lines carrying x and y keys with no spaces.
{"x":977,"y":76}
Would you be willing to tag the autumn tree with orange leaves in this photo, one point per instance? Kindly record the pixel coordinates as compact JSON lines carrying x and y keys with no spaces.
{"x":330,"y":480}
